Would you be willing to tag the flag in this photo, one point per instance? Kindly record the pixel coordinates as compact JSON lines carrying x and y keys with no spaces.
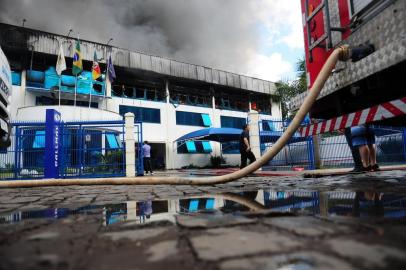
{"x":60,"y":62}
{"x":96,"y":73}
{"x":111,"y":73}
{"x":77,"y":60}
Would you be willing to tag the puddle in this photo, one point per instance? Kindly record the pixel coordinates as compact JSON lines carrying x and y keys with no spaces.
{"x":300,"y":202}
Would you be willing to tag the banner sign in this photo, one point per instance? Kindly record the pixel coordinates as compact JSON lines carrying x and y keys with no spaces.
{"x":52,"y":147}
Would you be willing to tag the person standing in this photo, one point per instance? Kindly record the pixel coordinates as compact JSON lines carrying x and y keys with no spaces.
{"x":354,"y":152}
{"x":146,"y":150}
{"x":245,"y":147}
{"x":363,"y":137}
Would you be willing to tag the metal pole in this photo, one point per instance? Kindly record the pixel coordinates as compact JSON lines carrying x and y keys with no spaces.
{"x":76,"y":83}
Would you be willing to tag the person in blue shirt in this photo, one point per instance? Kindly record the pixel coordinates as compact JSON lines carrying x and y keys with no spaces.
{"x":146,"y":150}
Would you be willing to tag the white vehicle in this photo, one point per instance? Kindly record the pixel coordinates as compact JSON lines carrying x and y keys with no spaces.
{"x":5,"y":88}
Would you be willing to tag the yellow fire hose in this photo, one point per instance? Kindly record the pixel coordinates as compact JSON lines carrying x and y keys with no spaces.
{"x":340,"y":53}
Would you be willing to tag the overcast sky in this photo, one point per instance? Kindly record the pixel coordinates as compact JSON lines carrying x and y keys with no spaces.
{"x":260,"y":38}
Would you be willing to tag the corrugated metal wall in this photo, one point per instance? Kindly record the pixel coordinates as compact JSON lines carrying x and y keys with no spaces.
{"x":48,"y":43}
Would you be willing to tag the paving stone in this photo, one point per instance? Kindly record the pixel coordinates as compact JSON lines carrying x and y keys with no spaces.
{"x":44,"y":236}
{"x":369,"y":255}
{"x":293,"y":261}
{"x":135,"y":235}
{"x":307,"y":226}
{"x":210,"y":220}
{"x":162,"y":250}
{"x":25,"y":199}
{"x":221,"y":243}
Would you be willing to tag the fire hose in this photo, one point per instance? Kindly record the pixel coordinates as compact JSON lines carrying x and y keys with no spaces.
{"x":341,"y":53}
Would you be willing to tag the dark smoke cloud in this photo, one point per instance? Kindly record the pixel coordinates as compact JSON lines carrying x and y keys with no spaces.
{"x":216,"y":33}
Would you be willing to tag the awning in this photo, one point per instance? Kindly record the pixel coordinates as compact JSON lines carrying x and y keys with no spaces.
{"x":213,"y":134}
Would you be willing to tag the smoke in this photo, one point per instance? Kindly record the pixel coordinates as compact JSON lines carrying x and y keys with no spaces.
{"x":222,"y":34}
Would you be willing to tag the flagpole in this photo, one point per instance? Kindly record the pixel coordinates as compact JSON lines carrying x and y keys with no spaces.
{"x":76,"y":82}
{"x":90,"y":96}
{"x":106,"y":78}
{"x":60,"y":84}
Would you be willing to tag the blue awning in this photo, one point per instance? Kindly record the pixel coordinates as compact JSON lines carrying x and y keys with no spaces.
{"x":112,"y":141}
{"x":213,"y":134}
{"x":193,"y":205}
{"x":206,"y":147}
{"x":206,"y":120}
{"x":39,"y":139}
{"x":210,"y":204}
{"x":191,"y":147}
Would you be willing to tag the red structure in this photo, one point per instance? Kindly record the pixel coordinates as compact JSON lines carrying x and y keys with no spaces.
{"x":375,"y":32}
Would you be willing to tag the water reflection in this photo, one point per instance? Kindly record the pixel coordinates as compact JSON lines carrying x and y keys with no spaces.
{"x":362,"y":204}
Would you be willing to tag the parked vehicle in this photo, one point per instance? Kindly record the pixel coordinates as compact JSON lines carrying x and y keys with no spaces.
{"x":370,"y":87}
{"x":5,"y":89}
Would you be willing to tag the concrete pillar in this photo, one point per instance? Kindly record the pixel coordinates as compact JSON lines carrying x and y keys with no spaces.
{"x":170,"y":110}
{"x":167,"y":93}
{"x":24,"y":84}
{"x":129,"y":145}
{"x":108,"y":101}
{"x":253,"y":120}
{"x":316,"y":148}
{"x":216,"y":122}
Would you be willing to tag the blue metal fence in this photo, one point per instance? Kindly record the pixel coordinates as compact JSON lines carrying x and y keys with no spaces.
{"x":87,"y":149}
{"x":92,"y":149}
{"x":298,"y":153}
{"x":333,"y":150}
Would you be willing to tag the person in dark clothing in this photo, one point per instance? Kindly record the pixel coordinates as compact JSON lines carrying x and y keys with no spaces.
{"x":245,"y":148}
{"x":354,"y":151}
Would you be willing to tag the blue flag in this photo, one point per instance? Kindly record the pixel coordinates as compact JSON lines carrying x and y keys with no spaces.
{"x":110,"y":70}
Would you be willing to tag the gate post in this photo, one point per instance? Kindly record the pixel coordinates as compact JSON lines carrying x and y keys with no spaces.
{"x":52,"y":147}
{"x":129,"y":145}
{"x":253,"y":122}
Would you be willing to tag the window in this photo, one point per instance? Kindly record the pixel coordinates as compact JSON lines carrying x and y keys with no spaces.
{"x":359,"y":5}
{"x":232,"y":122}
{"x":193,"y":119}
{"x":194,"y":147}
{"x":230,"y":148}
{"x":147,"y":115}
{"x":42,"y":100}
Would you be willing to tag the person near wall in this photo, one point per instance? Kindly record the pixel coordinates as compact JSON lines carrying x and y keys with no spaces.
{"x":245,"y":147}
{"x":363,"y":137}
{"x":146,"y":150}
{"x":354,"y":152}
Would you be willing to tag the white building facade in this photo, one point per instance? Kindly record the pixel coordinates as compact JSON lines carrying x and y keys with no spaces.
{"x":170,"y":98}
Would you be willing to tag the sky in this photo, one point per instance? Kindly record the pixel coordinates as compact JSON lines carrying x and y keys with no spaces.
{"x":259,"y":38}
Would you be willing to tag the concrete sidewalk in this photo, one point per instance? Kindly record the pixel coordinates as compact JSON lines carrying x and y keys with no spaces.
{"x":99,"y":227}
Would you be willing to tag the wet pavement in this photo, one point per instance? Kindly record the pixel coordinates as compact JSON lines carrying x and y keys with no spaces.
{"x":291,"y":222}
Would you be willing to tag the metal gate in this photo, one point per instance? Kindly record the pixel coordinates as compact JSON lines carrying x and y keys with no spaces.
{"x":92,"y":149}
{"x":86,"y":149}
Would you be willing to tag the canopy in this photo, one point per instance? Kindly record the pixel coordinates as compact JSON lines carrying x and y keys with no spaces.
{"x":213,"y":134}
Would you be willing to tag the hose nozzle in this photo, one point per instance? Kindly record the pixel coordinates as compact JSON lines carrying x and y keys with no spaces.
{"x":345,"y":53}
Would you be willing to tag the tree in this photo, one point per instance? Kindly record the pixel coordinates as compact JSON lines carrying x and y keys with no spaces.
{"x":287,"y":90}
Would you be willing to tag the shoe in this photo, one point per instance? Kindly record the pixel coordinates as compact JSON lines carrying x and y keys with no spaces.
{"x":357,"y":170}
{"x":375,"y":168}
{"x":152,"y":173}
{"x":366,"y":169}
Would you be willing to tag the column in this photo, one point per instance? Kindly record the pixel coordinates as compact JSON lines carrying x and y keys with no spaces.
{"x":129,"y":145}
{"x":253,"y":120}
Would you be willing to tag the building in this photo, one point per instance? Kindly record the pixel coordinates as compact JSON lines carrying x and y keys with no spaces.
{"x":171,"y":98}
